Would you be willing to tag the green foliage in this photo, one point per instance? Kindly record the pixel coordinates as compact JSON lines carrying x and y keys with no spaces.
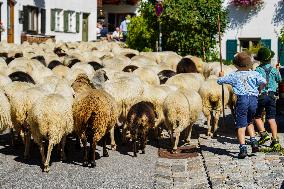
{"x":282,"y":35}
{"x":188,"y":26}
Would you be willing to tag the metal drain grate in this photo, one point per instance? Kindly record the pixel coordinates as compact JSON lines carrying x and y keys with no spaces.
{"x":183,"y":152}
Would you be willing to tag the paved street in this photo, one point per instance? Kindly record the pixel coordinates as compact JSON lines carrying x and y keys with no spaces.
{"x":216,"y":166}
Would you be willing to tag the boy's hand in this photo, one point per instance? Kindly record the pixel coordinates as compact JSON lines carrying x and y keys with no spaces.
{"x":221,"y":74}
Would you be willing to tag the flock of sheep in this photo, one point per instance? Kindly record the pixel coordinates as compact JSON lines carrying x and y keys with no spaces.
{"x":50,"y":90}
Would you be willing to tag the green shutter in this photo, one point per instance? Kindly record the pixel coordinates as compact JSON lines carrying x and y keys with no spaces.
{"x":77,"y":22}
{"x":52,"y":20}
{"x":281,"y":52}
{"x":66,"y":22}
{"x":43,"y":20}
{"x":26,"y":18}
{"x":266,"y":43}
{"x":231,"y":49}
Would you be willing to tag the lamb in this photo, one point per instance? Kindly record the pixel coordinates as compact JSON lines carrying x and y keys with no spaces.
{"x":181,"y":109}
{"x":140,"y":118}
{"x":51,"y":118}
{"x":211,"y":94}
{"x":94,"y":113}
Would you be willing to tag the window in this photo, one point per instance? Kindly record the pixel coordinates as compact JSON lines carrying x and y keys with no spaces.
{"x":31,"y":19}
{"x":59,"y":20}
{"x":250,"y":44}
{"x":57,"y":23}
{"x":71,"y":21}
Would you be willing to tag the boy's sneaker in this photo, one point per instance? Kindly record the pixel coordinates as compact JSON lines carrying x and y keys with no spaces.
{"x":275,"y":144}
{"x":264,"y":137}
{"x":243,"y":152}
{"x":254,"y":146}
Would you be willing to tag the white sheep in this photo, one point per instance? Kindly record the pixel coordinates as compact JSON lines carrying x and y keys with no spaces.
{"x":51,"y":118}
{"x":5,"y":112}
{"x":181,"y":109}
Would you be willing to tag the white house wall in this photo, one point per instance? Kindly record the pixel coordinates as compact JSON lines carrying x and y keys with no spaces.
{"x":265,"y":23}
{"x":86,"y":6}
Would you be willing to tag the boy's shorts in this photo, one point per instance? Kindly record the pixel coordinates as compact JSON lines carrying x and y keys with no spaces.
{"x":245,"y":110}
{"x":267,"y":102}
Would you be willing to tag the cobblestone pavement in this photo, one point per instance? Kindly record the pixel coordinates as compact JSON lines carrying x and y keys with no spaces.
{"x":216,"y":166}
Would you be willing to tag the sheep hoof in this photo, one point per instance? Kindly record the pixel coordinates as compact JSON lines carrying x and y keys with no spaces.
{"x":214,"y":134}
{"x":93,"y":164}
{"x":113,"y":147}
{"x":26,"y":157}
{"x":105,"y":154}
{"x":209,"y":134}
{"x":143,"y":151}
{"x":85,"y":164}
{"x":46,"y":169}
{"x":174,"y":151}
{"x":135,"y":155}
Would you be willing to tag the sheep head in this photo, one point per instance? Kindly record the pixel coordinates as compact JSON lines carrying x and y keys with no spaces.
{"x":82,"y":83}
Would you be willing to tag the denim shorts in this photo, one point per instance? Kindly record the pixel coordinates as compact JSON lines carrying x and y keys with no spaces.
{"x":267,"y":103}
{"x":245,"y":110}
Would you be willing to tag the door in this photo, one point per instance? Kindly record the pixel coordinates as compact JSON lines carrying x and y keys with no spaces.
{"x":266,"y":43}
{"x":10,"y":20}
{"x":85,"y":27}
{"x":280,"y":52}
{"x":231,"y":49}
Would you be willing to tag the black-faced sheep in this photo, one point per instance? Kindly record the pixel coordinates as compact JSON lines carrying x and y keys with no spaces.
{"x":130,"y":68}
{"x":21,"y":76}
{"x":140,"y":118}
{"x":190,"y":64}
{"x":53,"y":64}
{"x":41,"y":59}
{"x":95,"y":65}
{"x":95,"y":113}
{"x":164,"y":75}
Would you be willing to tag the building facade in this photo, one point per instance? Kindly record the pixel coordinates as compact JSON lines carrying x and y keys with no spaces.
{"x":250,"y":28}
{"x":69,"y":20}
{"x":115,"y":11}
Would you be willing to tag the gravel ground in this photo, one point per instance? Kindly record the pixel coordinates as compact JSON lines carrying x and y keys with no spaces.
{"x":119,"y":170}
{"x":215,"y":167}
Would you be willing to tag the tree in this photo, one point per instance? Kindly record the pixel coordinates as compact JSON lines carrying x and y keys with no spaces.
{"x":188,"y":26}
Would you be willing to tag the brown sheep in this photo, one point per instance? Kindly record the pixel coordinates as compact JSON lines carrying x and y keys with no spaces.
{"x":94,"y":113}
{"x":140,"y":118}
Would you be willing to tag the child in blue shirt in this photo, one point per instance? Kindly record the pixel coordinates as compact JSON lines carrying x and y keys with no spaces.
{"x":266,"y":99}
{"x":246,"y":84}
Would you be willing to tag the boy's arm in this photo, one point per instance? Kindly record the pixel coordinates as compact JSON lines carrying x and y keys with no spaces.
{"x":278,"y":76}
{"x":225,"y":79}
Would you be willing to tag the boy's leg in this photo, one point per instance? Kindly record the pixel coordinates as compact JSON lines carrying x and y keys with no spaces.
{"x":264,"y":136}
{"x":273,"y":126}
{"x":253,"y":101}
{"x":241,"y":135}
{"x":241,"y":123}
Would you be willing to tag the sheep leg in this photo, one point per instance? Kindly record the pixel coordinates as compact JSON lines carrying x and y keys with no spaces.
{"x":93,"y":161}
{"x":46,"y":164}
{"x":143,"y":142}
{"x":27,"y":139}
{"x":62,"y":151}
{"x":41,"y":150}
{"x":177,"y":135}
{"x":113,"y":144}
{"x":189,"y":130}
{"x":12,"y":137}
{"x":85,"y":153}
{"x":134,"y":148}
{"x":209,"y":133}
{"x":77,"y":144}
{"x":105,"y":153}
{"x":216,"y":120}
